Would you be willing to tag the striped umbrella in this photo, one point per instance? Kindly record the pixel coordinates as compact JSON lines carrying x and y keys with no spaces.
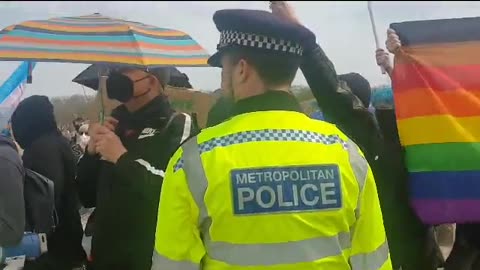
{"x":99,"y":39}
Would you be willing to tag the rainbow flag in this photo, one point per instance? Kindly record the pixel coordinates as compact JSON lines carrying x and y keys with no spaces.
{"x":436,"y":87}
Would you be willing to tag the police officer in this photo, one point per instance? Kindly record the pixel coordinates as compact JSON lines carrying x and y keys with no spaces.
{"x":269,"y":188}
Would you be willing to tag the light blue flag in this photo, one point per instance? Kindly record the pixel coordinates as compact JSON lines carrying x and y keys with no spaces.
{"x":11,"y":91}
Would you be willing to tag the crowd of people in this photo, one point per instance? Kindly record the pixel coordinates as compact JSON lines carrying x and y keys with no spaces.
{"x":263,"y":186}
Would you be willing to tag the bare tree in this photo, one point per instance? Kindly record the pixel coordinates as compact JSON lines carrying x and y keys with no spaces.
{"x":68,"y":108}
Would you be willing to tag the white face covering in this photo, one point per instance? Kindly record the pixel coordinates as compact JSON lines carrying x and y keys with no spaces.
{"x":83,"y":140}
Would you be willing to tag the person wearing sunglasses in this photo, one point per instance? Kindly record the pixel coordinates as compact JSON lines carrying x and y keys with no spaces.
{"x":122,"y":170}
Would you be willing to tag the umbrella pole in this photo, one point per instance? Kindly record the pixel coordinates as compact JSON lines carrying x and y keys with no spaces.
{"x":102,"y":88}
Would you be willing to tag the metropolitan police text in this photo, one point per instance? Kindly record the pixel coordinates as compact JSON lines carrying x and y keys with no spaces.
{"x":286,"y":189}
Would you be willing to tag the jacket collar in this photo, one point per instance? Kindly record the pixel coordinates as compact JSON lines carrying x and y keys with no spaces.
{"x":269,"y":101}
{"x":155,"y":114}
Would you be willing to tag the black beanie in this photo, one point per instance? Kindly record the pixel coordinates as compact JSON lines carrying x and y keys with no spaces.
{"x":33,"y":118}
{"x":359,"y":86}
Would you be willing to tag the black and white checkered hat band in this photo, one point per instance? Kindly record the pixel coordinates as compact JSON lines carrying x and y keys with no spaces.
{"x":258,"y":41}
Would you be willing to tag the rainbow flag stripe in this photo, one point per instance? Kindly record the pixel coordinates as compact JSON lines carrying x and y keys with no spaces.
{"x":436,"y":88}
{"x":99,"y":39}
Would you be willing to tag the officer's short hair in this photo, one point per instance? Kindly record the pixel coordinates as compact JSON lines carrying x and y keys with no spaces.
{"x":273,"y":69}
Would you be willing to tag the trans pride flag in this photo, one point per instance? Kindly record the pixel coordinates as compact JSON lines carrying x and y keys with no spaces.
{"x":12,"y":90}
{"x":436,"y":86}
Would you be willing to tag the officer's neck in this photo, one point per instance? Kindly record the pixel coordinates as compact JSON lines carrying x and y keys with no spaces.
{"x":257,"y":89}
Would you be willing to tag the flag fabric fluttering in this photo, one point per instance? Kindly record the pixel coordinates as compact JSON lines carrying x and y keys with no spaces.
{"x":437,"y":101}
{"x":11,"y":91}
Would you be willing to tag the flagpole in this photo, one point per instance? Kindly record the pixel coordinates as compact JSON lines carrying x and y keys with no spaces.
{"x":374,"y":29}
{"x":29,"y":75}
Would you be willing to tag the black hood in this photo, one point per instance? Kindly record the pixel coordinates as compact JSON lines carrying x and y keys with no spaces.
{"x":32,"y":119}
{"x":359,"y":86}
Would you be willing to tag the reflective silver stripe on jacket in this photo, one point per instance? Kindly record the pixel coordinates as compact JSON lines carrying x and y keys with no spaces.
{"x":196,"y":177}
{"x":160,"y":262}
{"x":150,"y":168}
{"x":370,"y":261}
{"x":187,"y":127}
{"x":360,"y":170}
{"x":277,"y":253}
{"x":252,"y":254}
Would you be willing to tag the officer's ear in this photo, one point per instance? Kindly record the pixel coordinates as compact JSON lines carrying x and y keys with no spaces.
{"x":243,"y":70}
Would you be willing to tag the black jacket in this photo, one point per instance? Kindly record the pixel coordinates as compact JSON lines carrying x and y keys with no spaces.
{"x":12,"y":205}
{"x":405,"y":233}
{"x":126,"y":195}
{"x":47,"y":152}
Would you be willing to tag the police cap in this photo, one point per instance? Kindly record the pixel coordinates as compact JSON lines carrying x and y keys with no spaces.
{"x":259,"y":30}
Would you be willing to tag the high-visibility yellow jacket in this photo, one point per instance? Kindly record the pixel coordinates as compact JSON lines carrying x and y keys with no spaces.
{"x":270,"y":190}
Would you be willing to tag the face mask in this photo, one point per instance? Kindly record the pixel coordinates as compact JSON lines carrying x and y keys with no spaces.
{"x":121,"y":87}
{"x":83,"y":140}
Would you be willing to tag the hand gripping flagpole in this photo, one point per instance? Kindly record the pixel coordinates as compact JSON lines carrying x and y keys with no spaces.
{"x":374,"y":29}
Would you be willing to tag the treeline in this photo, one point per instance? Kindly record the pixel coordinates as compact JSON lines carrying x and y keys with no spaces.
{"x":68,"y":108}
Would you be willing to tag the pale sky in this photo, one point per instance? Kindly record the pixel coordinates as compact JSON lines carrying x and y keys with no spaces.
{"x":343,"y":30}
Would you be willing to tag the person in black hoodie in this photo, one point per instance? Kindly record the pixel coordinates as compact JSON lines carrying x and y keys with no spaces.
{"x":122,"y":170}
{"x":47,"y":152}
{"x":12,"y":205}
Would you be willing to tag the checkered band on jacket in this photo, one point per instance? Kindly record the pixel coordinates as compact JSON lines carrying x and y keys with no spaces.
{"x":267,"y":135}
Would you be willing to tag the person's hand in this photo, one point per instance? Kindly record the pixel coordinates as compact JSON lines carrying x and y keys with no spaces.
{"x":284,"y":10}
{"x":393,"y":41}
{"x":108,"y":145}
{"x":111,"y":123}
{"x":93,"y":131}
{"x":383,"y":60}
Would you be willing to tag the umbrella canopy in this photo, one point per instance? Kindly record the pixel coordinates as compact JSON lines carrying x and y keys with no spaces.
{"x":99,"y":39}
{"x":89,"y":77}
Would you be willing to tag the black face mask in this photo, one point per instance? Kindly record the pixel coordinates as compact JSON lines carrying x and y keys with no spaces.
{"x":120,"y":87}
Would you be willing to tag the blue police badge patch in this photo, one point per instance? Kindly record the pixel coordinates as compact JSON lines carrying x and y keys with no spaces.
{"x":286,"y":189}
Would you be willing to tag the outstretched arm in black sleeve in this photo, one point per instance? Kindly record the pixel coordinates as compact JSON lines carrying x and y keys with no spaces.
{"x":337,"y":100}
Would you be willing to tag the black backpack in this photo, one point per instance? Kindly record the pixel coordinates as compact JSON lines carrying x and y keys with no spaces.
{"x":39,"y":196}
